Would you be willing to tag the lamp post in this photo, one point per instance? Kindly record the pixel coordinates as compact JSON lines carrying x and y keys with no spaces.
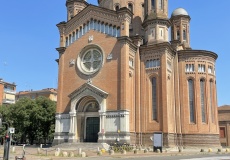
{"x":7,"y":140}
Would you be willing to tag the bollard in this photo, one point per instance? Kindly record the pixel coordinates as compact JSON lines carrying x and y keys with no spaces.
{"x":13,"y":149}
{"x":79,"y":151}
{"x":83,"y":154}
{"x":39,"y":151}
{"x":40,"y":145}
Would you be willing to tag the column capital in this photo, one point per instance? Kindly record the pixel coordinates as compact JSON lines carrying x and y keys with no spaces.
{"x":73,"y":114}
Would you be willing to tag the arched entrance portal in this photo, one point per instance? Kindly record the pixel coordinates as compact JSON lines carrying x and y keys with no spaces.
{"x":87,"y":109}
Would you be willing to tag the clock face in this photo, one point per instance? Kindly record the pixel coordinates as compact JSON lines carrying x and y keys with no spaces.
{"x":90,"y":60}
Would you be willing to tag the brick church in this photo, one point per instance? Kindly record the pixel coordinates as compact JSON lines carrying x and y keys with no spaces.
{"x":126,"y":70}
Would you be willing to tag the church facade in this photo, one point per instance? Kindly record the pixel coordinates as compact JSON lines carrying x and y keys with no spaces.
{"x":121,"y":78}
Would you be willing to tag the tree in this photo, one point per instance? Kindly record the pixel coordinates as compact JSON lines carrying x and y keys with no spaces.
{"x":32,"y":119}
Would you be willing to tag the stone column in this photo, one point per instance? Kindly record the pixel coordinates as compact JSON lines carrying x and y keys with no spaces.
{"x":73,"y":127}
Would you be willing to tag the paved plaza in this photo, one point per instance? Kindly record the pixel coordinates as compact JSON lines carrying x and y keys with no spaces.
{"x":31,"y":153}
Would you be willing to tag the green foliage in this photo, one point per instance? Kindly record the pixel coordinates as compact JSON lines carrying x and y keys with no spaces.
{"x":120,"y":148}
{"x":32,"y":119}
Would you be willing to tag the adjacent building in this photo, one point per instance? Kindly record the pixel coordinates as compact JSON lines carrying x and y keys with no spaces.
{"x":121,"y":78}
{"x":50,"y":93}
{"x":224,"y":123}
{"x":7,"y":92}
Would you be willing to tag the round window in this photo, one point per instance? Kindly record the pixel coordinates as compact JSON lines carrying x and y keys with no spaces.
{"x":90,"y":61}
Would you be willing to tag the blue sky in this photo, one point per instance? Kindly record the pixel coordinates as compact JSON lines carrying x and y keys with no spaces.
{"x":29,"y":37}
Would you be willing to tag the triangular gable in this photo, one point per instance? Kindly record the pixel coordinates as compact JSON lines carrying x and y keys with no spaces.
{"x":91,"y":88}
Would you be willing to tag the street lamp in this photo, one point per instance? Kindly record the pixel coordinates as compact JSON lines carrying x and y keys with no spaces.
{"x":7,"y":140}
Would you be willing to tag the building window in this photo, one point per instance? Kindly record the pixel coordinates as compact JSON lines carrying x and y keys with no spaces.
{"x":66,"y":42}
{"x":202,"y":99}
{"x":201,"y":68}
{"x":91,"y":24}
{"x":153,"y":4}
{"x":211,"y":100}
{"x":210,"y":69}
{"x":178,"y":34}
{"x":118,"y":32}
{"x":153,"y":33}
{"x":222,"y":132}
{"x":117,"y":7}
{"x":189,"y":68}
{"x":191,"y":100}
{"x":131,"y":63}
{"x":106,"y":29}
{"x":90,"y":60}
{"x":161,"y":4}
{"x":103,"y":28}
{"x":184,"y":35}
{"x":154,"y":98}
{"x":77,"y":35}
{"x":130,"y":7}
{"x":152,"y":63}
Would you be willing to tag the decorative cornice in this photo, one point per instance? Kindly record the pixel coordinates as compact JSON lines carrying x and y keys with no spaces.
{"x":162,"y":21}
{"x":196,"y":55}
{"x":92,"y":12}
{"x":91,"y":88}
{"x":127,"y":40}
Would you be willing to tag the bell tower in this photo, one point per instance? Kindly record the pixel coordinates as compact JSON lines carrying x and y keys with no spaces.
{"x":156,"y":21}
{"x":180,"y":20}
{"x":74,"y":7}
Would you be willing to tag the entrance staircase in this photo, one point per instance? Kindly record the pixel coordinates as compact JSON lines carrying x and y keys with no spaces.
{"x":83,"y":146}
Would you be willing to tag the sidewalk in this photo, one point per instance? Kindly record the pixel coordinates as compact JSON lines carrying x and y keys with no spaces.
{"x":31,"y":153}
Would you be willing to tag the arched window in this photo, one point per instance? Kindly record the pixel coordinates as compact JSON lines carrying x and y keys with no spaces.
{"x":77,"y":35}
{"x":154,"y":98}
{"x":191,"y":100}
{"x":153,"y":4}
{"x":118,"y":32}
{"x":91,"y":24}
{"x":70,"y":39}
{"x":117,"y":7}
{"x":103,"y":28}
{"x":66,"y":41}
{"x":202,"y":100}
{"x":106,"y":29}
{"x":184,"y":35}
{"x":130,"y":7}
{"x":211,"y":100}
{"x":73,"y":37}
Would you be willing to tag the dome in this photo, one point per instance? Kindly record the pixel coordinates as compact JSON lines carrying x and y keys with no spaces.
{"x":180,"y":11}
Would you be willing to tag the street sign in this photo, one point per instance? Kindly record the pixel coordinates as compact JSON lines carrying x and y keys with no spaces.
{"x":12,"y":130}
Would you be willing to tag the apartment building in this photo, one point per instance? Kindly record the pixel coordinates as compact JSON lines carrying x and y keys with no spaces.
{"x":50,"y":93}
{"x":7,"y":92}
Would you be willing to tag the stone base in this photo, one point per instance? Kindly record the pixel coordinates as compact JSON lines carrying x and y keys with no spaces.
{"x":171,"y":140}
{"x":114,"y":137}
{"x":60,"y":138}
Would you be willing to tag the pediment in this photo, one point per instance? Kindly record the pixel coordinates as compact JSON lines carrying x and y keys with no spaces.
{"x":89,"y":89}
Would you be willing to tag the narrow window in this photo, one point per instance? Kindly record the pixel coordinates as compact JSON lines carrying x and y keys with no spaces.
{"x":178,"y":34}
{"x":106,"y":29}
{"x":80,"y":32}
{"x":211,"y":97}
{"x":118,"y":32}
{"x":117,"y":7}
{"x":191,"y":100}
{"x":95,"y":25}
{"x":73,"y":37}
{"x":70,"y":39}
{"x":202,"y":100}
{"x":91,"y":24}
{"x":114,"y":31}
{"x":88,"y":26}
{"x":99,"y":26}
{"x":103,"y":28}
{"x":110,"y":30}
{"x":161,"y":4}
{"x":77,"y":35}
{"x":66,"y":42}
{"x":130,"y":7}
{"x":85,"y":29}
{"x":153,"y":4}
{"x":184,"y":35}
{"x":154,"y":98}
